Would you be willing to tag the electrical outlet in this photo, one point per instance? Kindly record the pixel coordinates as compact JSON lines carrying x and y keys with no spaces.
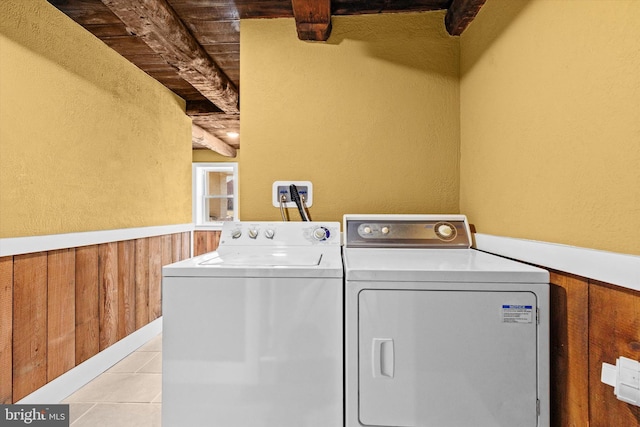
{"x":281,"y":188}
{"x":624,"y":377}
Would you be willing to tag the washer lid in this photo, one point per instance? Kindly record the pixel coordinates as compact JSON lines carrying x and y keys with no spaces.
{"x":259,"y":262}
{"x":437,"y":265}
{"x":264,"y":259}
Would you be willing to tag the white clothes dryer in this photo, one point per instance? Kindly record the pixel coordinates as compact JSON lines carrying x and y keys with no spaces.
{"x":439,"y":334}
{"x":253,"y":333}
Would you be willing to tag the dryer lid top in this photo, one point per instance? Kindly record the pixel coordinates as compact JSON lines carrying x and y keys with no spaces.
{"x":436,"y":265}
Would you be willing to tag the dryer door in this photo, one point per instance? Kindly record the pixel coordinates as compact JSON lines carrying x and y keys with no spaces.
{"x":447,"y":358}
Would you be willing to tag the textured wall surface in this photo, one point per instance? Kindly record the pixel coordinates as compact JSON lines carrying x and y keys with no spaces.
{"x":550,"y":122}
{"x":87,"y":140}
{"x":371,"y":117}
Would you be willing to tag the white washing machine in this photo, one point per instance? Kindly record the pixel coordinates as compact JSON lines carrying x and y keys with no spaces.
{"x":253,"y":333}
{"x":439,"y":334}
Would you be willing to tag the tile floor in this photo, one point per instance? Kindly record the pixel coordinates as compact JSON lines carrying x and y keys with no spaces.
{"x":128,"y":394}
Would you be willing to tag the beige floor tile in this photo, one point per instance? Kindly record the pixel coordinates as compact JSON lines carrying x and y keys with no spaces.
{"x":155,"y":344}
{"x":128,"y":388}
{"x":134,"y":362}
{"x":129,"y":394}
{"x":121,"y":415}
{"x":76,"y":410}
{"x":154,"y":365}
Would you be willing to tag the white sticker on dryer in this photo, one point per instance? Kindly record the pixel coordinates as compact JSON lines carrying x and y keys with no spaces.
{"x":513,"y":313}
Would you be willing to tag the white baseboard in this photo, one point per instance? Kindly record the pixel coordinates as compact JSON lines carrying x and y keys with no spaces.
{"x":609,"y":267}
{"x":72,"y":380}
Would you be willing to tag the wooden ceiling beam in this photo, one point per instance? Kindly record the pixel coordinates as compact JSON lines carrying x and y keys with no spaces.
{"x":460,"y":14}
{"x":313,"y":19}
{"x":203,"y":138}
{"x":195,"y":108}
{"x":162,"y":30}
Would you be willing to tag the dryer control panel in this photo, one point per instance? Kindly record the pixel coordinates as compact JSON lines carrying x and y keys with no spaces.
{"x":407,"y":231}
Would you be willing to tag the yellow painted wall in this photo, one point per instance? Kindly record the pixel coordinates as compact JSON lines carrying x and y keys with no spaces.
{"x":371,"y":118}
{"x":550,"y":122}
{"x":87,"y":140}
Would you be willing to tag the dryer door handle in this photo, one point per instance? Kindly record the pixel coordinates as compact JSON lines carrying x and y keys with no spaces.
{"x":382,"y":358}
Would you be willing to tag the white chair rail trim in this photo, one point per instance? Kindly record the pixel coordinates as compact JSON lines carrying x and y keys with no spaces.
{"x":24,"y":245}
{"x":609,"y":267}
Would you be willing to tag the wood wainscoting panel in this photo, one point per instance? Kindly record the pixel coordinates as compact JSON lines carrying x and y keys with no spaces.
{"x":142,"y":282}
{"x":186,"y":245}
{"x":6,"y":330}
{"x":569,"y":297}
{"x":126,"y":288}
{"x":61,"y":319}
{"x":155,"y":278}
{"x":60,"y":308}
{"x":200,"y":242}
{"x":205,"y":241}
{"x":167,"y":258}
{"x":176,"y":247}
{"x":614,"y":331}
{"x":29,"y":323}
{"x":167,"y":250}
{"x":213,"y":240}
{"x":87,"y":303}
{"x":108,"y":293}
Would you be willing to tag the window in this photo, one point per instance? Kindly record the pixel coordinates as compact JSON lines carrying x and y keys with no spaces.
{"x":215,"y":192}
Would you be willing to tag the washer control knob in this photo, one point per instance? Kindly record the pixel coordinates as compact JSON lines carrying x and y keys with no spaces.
{"x":321,"y":233}
{"x":367,"y":230}
{"x":253,"y":233}
{"x":385,"y":230}
{"x":445,"y":230}
{"x":236,"y":233}
{"x":269,"y":233}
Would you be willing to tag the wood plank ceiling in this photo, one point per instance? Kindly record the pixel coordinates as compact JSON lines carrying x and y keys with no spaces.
{"x":193,"y":46}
